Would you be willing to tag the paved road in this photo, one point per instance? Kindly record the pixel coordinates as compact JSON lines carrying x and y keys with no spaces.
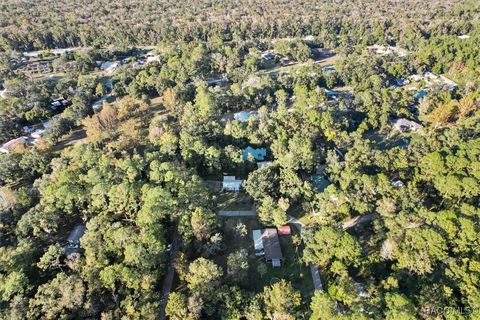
{"x":168,"y":280}
{"x":317,"y":281}
{"x":352,"y":223}
{"x":238,"y":213}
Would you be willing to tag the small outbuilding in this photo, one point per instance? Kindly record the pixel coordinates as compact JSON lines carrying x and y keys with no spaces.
{"x":397,"y":183}
{"x":284,"y":231}
{"x":230,"y":183}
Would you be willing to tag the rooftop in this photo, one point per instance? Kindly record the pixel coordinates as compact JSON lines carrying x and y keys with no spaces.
{"x":284,"y":231}
{"x":271,"y":244}
{"x":258,"y":154}
{"x":244,"y":116}
{"x":404,"y":125}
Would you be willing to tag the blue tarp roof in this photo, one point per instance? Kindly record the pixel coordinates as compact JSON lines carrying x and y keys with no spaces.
{"x":421,"y":94}
{"x":258,"y":154}
{"x":243,"y":116}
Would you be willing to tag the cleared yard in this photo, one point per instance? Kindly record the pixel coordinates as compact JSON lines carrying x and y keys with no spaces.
{"x":233,"y":201}
{"x":292,"y":268}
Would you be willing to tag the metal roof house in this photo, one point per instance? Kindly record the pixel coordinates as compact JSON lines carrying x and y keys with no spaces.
{"x":271,"y":246}
{"x":405,"y":125}
{"x":258,"y":154}
{"x":230,"y":183}
{"x":258,"y":242}
{"x":266,"y":243}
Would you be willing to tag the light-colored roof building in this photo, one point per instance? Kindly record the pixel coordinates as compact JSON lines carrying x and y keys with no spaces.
{"x":244,"y":116}
{"x":405,"y":125}
{"x":13,"y":145}
{"x":37,"y":134}
{"x":258,"y":242}
{"x":230,"y":183}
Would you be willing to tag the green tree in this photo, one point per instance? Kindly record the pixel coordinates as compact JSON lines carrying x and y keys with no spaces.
{"x":328,"y":244}
{"x":203,"y":276}
{"x":282,"y":301}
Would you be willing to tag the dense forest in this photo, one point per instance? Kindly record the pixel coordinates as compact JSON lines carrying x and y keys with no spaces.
{"x":354,"y":125}
{"x":27,"y":25}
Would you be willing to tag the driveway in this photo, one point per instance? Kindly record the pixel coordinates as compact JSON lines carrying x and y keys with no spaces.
{"x":358,"y":220}
{"x":317,"y":281}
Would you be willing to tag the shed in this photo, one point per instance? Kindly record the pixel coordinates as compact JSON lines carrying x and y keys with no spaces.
{"x":271,"y":244}
{"x":284,"y":231}
{"x":258,"y":242}
{"x":257,"y":153}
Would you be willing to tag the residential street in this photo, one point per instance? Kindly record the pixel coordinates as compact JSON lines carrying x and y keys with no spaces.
{"x":168,"y":280}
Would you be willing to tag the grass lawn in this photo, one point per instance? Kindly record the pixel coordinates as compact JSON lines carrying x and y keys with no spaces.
{"x":292,"y":268}
{"x":233,"y":201}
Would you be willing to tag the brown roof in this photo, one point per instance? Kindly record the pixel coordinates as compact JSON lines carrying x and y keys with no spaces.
{"x":271,"y":244}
